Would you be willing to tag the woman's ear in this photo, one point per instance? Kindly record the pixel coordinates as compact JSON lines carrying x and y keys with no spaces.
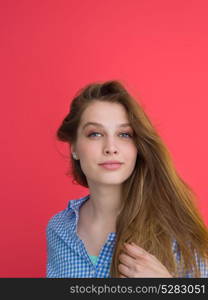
{"x":73,"y":152}
{"x":73,"y":148}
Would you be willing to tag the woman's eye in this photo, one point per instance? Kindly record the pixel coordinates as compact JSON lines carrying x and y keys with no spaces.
{"x":93,"y":133}
{"x":128,"y":134}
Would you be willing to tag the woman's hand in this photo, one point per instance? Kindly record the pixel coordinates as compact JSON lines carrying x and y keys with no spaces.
{"x":138,"y":263}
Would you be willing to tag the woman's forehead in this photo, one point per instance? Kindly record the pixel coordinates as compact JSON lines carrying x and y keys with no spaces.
{"x":104,"y":112}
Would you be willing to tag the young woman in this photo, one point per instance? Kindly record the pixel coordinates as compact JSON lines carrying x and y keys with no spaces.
{"x":140,"y":218}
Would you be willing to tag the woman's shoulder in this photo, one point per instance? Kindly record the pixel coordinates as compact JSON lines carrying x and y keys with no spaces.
{"x":63,"y":215}
{"x":201,"y":262}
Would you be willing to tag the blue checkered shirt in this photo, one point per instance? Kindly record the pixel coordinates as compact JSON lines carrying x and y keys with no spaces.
{"x":67,"y":256}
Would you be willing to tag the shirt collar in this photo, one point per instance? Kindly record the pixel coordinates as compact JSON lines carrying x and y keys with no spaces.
{"x":76,"y":203}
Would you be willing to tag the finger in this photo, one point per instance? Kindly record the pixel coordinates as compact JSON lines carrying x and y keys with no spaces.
{"x":145,"y":253}
{"x":127,"y":259}
{"x":122,"y":276}
{"x":142,"y":250}
{"x":137,"y":252}
{"x":124,"y":270}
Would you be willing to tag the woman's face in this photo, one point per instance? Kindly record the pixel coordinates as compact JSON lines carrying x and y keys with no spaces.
{"x":107,"y":141}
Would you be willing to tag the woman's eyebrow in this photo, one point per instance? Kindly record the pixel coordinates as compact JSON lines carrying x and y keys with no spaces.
{"x":100,"y":125}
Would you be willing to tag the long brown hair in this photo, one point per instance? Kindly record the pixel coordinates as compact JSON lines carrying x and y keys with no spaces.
{"x":158,"y":206}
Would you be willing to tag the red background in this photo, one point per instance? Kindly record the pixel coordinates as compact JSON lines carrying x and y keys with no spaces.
{"x":50,"y":49}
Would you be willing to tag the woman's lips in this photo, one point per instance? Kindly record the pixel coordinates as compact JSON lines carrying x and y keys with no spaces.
{"x":111,"y":166}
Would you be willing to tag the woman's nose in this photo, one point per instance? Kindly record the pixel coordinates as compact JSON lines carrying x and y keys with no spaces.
{"x":110,"y":146}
